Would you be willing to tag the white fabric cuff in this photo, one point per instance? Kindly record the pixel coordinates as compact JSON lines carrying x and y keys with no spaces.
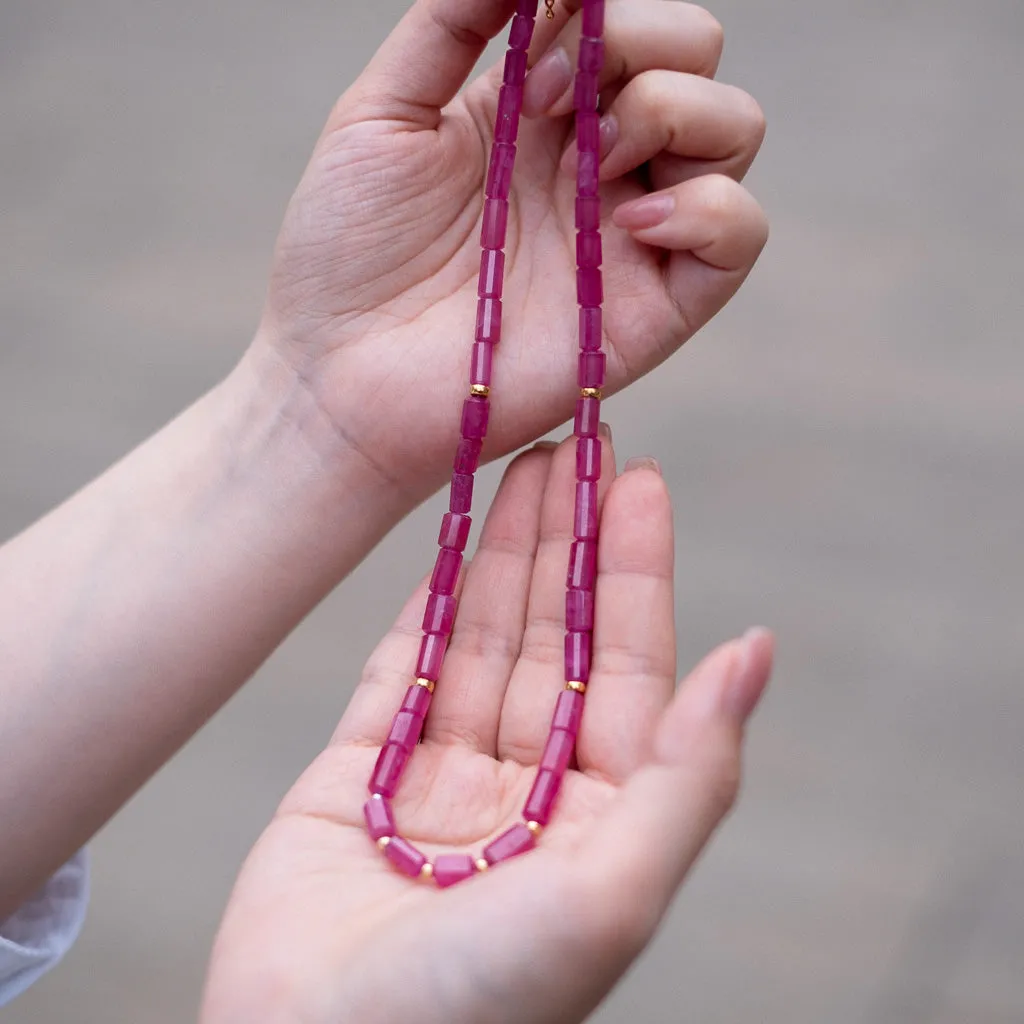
{"x":35,"y":937}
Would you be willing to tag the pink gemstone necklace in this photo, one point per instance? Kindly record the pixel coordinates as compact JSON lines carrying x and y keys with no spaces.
{"x":439,"y":617}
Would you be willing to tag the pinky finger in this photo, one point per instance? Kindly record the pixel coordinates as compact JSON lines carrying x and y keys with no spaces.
{"x":715,"y":230}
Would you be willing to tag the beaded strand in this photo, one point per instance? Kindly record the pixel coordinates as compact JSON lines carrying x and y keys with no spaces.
{"x":439,"y":616}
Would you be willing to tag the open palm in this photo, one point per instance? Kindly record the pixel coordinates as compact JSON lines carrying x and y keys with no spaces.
{"x":373,"y":294}
{"x":321,"y":928}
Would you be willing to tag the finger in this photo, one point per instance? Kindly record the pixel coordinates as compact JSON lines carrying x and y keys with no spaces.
{"x":388,"y":672}
{"x":633,"y":674}
{"x":424,"y":62}
{"x":540,"y":674}
{"x":639,"y":36}
{"x":711,"y":126}
{"x":715,"y":231}
{"x":491,"y":611}
{"x":657,"y":825}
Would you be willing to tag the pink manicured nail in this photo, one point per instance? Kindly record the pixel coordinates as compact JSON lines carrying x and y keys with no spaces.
{"x":548,"y":80}
{"x":642,"y":462}
{"x":648,"y":212}
{"x":741,"y":692}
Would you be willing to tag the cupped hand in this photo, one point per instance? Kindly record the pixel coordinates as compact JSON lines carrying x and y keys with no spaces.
{"x":320,"y":927}
{"x":372,"y":301}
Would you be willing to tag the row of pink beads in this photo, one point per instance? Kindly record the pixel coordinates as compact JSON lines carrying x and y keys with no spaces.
{"x":439,"y":617}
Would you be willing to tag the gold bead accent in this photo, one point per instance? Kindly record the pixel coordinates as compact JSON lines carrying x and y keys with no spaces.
{"x":427,"y":871}
{"x":575,"y":684}
{"x":479,"y":390}
{"x":590,"y":393}
{"x":427,"y":684}
{"x":482,"y":865}
{"x":382,"y":843}
{"x":535,"y":828}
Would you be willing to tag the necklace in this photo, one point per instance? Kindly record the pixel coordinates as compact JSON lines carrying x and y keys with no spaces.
{"x":447,"y":869}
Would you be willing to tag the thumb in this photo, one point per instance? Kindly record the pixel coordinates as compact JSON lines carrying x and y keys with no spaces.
{"x":654,"y":830}
{"x":425,"y":61}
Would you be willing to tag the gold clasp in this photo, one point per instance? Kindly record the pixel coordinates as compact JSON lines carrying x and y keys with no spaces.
{"x":550,"y":13}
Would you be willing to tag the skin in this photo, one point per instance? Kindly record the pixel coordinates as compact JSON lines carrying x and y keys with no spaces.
{"x":320,"y":928}
{"x":132,"y":612}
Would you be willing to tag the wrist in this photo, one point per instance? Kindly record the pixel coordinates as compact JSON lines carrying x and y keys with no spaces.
{"x":309,"y":466}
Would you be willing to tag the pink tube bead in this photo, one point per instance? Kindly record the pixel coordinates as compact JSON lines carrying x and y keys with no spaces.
{"x":388,"y":769}
{"x":588,"y":458}
{"x":527,"y":8}
{"x":582,"y":565}
{"x":461,"y":499}
{"x":495,"y":224}
{"x":588,"y":249}
{"x":587,"y":173}
{"x":557,"y":751}
{"x":591,"y":55}
{"x":467,"y":455}
{"x":588,"y":213}
{"x":450,"y":868}
{"x":432,"y":648}
{"x":591,"y":369}
{"x":568,"y":712}
{"x":584,"y":95}
{"x":518,"y":839}
{"x":521,"y":33}
{"x":593,"y":18}
{"x":515,"y":67}
{"x":417,"y":700}
{"x":492,"y":274}
{"x":541,"y":800}
{"x":585,"y":519}
{"x":590,"y":328}
{"x":446,"y":571}
{"x":454,"y":532}
{"x":405,"y":856}
{"x":589,"y":289}
{"x":439,"y":616}
{"x":588,"y":417}
{"x":480,"y":367}
{"x":380,"y":821}
{"x":579,"y":610}
{"x":488,"y":311}
{"x":577,"y":657}
{"x":475,"y":413}
{"x":499,"y":170}
{"x":510,"y":105}
{"x":405,"y":730}
{"x":588,"y":132}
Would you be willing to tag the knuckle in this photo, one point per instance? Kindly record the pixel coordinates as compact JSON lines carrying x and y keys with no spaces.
{"x":753,"y":119}
{"x":711,"y":31}
{"x":722,"y":198}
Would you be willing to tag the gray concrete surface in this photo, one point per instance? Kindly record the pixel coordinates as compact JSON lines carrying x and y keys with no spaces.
{"x":845,"y":445}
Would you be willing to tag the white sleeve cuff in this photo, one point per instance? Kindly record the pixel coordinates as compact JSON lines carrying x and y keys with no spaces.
{"x":35,"y":937}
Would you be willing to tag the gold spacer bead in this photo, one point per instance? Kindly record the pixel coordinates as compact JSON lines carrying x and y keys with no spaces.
{"x":575,"y":684}
{"x":427,"y":684}
{"x":535,"y":828}
{"x":590,"y":393}
{"x":479,"y":390}
{"x":382,"y":843}
{"x":427,"y":871}
{"x":482,"y":865}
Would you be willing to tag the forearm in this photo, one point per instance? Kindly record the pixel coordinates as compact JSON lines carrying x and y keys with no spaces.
{"x":131,"y":613}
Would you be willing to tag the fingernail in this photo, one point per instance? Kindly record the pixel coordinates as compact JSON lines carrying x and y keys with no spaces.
{"x":604,"y":430}
{"x":742,"y":691}
{"x":648,"y":212}
{"x":642,"y":462}
{"x":548,"y":79}
{"x":608,"y":135}
{"x":545,"y":446}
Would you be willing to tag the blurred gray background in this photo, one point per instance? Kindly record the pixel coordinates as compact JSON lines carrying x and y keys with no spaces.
{"x":845,"y":445}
